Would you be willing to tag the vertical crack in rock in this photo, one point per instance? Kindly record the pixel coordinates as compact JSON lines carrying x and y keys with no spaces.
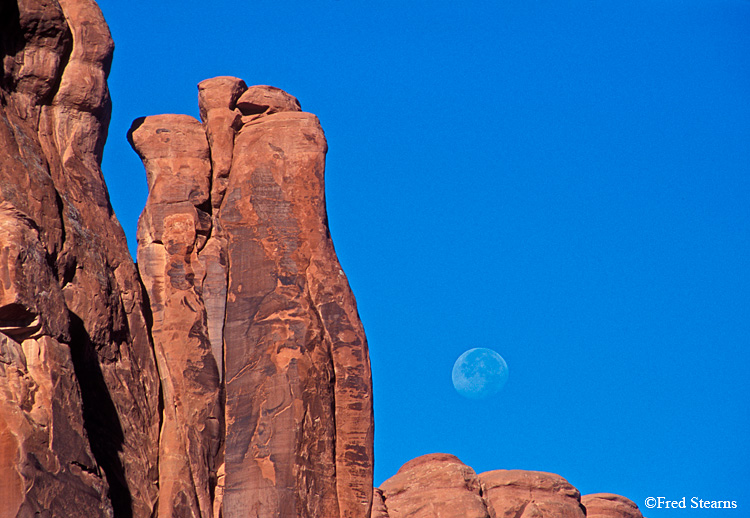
{"x":379,"y":507}
{"x":100,"y":417}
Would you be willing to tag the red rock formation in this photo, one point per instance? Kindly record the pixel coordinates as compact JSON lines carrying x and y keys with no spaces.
{"x":236,"y":237}
{"x":265,"y":100}
{"x":526,"y":494}
{"x":379,"y":509}
{"x":293,"y":337}
{"x":172,"y":229}
{"x":238,"y":262}
{"x":607,"y":505}
{"x":217,"y":99}
{"x":79,"y":408}
{"x":441,"y":485}
{"x":434,"y":485}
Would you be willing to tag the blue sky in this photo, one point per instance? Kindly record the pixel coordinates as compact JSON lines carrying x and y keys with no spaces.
{"x":565,"y":182}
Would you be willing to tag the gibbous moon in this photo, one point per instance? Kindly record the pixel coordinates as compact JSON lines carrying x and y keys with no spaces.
{"x":479,"y":373}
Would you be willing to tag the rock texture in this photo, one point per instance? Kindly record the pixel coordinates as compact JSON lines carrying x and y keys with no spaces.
{"x":434,"y":485}
{"x":242,"y":384}
{"x":440,"y":485}
{"x":607,"y":505}
{"x":262,"y":356}
{"x":173,"y":226}
{"x":79,"y":407}
{"x":527,"y":494}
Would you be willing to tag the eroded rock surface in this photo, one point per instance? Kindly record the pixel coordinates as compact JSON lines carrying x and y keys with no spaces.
{"x":263,"y":99}
{"x":441,"y":485}
{"x":246,"y":291}
{"x":242,"y":385}
{"x":379,"y":509}
{"x":172,"y":230}
{"x":434,"y":485}
{"x":607,"y":505}
{"x":79,"y":416}
{"x":527,"y":494}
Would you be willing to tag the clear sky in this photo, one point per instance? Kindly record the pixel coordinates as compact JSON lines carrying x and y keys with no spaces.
{"x":563,"y":181}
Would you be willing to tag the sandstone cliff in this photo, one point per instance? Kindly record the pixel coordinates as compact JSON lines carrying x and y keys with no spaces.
{"x":79,"y":411}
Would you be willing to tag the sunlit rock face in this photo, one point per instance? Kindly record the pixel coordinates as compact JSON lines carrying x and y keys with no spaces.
{"x":79,"y":390}
{"x":433,"y":485}
{"x":176,"y":155}
{"x":256,"y":331}
{"x":607,"y":505}
{"x":441,"y":485}
{"x":529,"y":494}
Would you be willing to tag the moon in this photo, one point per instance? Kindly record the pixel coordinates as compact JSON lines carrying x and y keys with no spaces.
{"x":479,"y":373}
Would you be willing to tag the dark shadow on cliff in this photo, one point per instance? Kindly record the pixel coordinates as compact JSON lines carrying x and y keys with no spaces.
{"x":100,"y":417}
{"x":14,"y":37}
{"x":11,"y":36}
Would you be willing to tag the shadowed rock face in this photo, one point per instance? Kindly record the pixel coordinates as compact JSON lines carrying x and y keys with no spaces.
{"x":255,"y":327}
{"x":441,"y":485}
{"x":79,"y":416}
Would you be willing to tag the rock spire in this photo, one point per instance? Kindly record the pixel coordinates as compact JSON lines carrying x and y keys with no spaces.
{"x":262,"y":356}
